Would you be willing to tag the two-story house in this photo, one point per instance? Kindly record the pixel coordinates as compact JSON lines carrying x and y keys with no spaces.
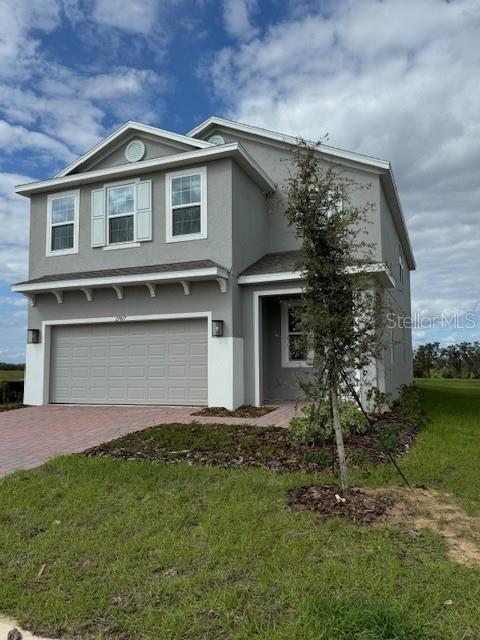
{"x":162,"y":269}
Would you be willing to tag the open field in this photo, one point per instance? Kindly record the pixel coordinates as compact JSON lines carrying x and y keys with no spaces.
{"x":102,"y":548}
{"x":14,"y":374}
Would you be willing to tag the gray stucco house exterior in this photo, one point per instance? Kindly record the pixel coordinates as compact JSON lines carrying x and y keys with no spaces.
{"x":150,"y":245}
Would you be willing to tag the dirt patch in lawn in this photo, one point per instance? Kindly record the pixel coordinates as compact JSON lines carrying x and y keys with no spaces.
{"x":429,"y":509}
{"x":236,"y":446}
{"x":8,"y":626}
{"x":245,"y":411}
{"x":421,"y":509}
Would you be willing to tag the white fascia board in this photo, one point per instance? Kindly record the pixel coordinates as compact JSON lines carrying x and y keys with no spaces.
{"x":393,"y":199}
{"x":287,"y":139}
{"x":213,"y":152}
{"x":132,"y":126}
{"x":270,"y":277}
{"x":210,"y":273}
{"x":377,"y":269}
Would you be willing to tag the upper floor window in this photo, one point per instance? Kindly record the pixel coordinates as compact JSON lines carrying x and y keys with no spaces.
{"x":186,"y":205}
{"x":121,"y":214}
{"x":62,"y":231}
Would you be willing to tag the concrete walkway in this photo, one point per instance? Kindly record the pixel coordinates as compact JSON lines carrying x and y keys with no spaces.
{"x":31,"y":436}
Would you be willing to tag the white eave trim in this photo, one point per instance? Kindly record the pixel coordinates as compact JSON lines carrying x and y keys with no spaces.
{"x":209,"y":273}
{"x":271,"y":277}
{"x":287,"y":139}
{"x":380,"y":270}
{"x":134,"y":127}
{"x":235,"y":150}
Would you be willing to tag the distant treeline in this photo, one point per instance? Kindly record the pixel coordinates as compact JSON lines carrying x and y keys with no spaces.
{"x":460,"y":360}
{"x":8,"y":366}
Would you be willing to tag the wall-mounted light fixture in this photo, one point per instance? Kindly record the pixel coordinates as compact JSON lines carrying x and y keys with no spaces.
{"x":33,"y":336}
{"x":217,"y":328}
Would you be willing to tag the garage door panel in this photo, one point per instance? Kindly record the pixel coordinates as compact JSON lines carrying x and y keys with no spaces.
{"x":197,"y":371}
{"x":179,"y":349}
{"x":98,"y":351}
{"x":162,"y":362}
{"x":98,"y":372}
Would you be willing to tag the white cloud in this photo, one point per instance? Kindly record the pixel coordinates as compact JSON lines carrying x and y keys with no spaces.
{"x":120,"y":82}
{"x":70,"y":104}
{"x":17,"y":20}
{"x":14,"y":223}
{"x":237,"y":16}
{"x":136,"y":16}
{"x":13,"y":301}
{"x":18,"y":138}
{"x":407,"y":94}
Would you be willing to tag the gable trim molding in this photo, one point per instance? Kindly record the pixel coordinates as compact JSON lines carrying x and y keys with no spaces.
{"x":138,"y":128}
{"x":235,"y":150}
{"x":215,"y":121}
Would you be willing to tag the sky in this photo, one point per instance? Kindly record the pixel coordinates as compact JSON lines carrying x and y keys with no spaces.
{"x":395,"y":79}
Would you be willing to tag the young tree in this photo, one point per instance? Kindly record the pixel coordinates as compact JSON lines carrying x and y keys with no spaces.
{"x":340,"y":311}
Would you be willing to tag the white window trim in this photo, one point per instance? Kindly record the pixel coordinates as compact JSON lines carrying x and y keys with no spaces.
{"x":74,"y":249}
{"x":169,"y":237}
{"x":286,"y":362}
{"x":130,"y":243}
{"x":122,"y":245}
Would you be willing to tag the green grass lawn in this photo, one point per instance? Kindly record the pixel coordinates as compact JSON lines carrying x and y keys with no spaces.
{"x":101,"y":548}
{"x":14,"y":374}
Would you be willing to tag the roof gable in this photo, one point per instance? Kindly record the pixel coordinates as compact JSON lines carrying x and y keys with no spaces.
{"x":208,"y":126}
{"x":382,"y":168}
{"x":158,"y":142}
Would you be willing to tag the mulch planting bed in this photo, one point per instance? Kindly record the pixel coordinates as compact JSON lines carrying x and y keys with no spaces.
{"x":10,"y":407}
{"x":327,"y":502}
{"x":245,"y":411}
{"x":244,"y":446}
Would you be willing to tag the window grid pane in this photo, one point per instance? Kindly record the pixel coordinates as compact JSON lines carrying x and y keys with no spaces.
{"x":186,"y":220}
{"x":297,"y":345}
{"x":294,"y":319}
{"x":62,"y":237}
{"x":120,"y":229}
{"x":120,"y":200}
{"x":63,"y":209}
{"x":186,"y":190}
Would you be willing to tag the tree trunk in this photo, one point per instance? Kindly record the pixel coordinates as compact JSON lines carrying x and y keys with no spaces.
{"x":342,"y":460}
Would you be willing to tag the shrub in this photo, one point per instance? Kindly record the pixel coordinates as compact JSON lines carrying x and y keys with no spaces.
{"x":389,"y":437}
{"x":352,"y":419}
{"x":321,"y":458}
{"x":409,"y":405}
{"x":315,"y":425}
{"x":11,"y":391}
{"x":377,"y":400}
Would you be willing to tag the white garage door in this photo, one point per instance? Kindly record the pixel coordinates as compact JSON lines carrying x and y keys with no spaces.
{"x":162,"y":362}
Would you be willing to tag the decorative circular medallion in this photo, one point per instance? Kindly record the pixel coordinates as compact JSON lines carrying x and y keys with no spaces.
{"x":135,"y":151}
{"x":216,"y":139}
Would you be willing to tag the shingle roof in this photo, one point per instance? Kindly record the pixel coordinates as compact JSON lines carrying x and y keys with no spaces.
{"x":125,"y":271}
{"x":274,"y":263}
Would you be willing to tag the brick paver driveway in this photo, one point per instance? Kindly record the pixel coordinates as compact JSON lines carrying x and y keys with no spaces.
{"x":31,"y":436}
